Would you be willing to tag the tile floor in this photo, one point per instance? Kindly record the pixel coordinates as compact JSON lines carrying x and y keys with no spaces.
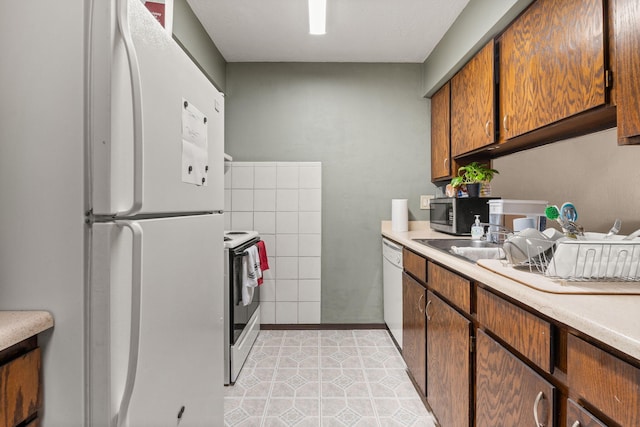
{"x":324,"y":378}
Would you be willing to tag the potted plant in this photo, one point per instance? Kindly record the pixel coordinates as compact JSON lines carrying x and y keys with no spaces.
{"x":472,"y":176}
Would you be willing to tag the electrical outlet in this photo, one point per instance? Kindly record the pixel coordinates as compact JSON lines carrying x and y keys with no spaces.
{"x":425,"y":201}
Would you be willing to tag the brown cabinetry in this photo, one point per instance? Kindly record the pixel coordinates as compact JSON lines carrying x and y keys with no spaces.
{"x":522,"y":330}
{"x":415,"y":265}
{"x":453,"y":287}
{"x":473,"y":103}
{"x":448,"y":363}
{"x":603,"y":381}
{"x":577,"y":416}
{"x":552,"y":65}
{"x":627,"y":79}
{"x":508,"y":392}
{"x":20,"y":397}
{"x":441,"y":133}
{"x":414,"y":330}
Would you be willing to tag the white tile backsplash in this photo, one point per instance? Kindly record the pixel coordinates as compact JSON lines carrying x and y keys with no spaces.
{"x":267,"y":313}
{"x":242,"y":221}
{"x":264,"y":222}
{"x":242,"y":176}
{"x":264,"y":200}
{"x":227,"y":200}
{"x":310,"y":177}
{"x":310,"y":223}
{"x":287,"y":200}
{"x":283,"y":202}
{"x":287,"y":244}
{"x":268,"y":290}
{"x":310,"y":245}
{"x":287,"y":222}
{"x":286,"y":312}
{"x":310,"y":200}
{"x":286,"y":290}
{"x":265,"y":176}
{"x":287,"y":267}
{"x":308,"y":312}
{"x":241,"y":200}
{"x":309,"y":290}
{"x":288,"y":176}
{"x":309,"y":267}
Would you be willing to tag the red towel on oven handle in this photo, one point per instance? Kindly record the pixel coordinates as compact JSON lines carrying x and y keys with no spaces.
{"x":264,"y":261}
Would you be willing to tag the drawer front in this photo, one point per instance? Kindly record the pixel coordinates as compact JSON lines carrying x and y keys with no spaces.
{"x":577,"y":416}
{"x":508,"y":392}
{"x":525,"y":332}
{"x":453,"y":287}
{"x":603,"y":380}
{"x":414,"y":264}
{"x":20,"y":388}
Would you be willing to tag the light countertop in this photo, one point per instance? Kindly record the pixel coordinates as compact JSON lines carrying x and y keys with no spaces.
{"x":16,"y":326}
{"x":611,"y":319}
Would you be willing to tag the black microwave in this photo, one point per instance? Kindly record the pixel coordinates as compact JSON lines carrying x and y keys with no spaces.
{"x":454,"y":215}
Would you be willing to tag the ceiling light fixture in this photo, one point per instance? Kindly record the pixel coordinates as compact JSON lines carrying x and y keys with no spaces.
{"x":317,"y":16}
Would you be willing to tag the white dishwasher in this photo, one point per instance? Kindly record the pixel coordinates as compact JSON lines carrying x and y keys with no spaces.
{"x":392,"y":288}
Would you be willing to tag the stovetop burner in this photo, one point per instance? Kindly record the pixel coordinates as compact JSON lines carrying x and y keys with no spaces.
{"x":233,"y":239}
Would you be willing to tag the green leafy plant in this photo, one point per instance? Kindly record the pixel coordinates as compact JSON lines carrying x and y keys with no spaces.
{"x":473,"y":173}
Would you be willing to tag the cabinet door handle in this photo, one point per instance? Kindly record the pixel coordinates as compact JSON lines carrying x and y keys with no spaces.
{"x":576,"y":424}
{"x":445,"y":161}
{"x":539,"y":397}
{"x":419,"y":305}
{"x":486,"y":128}
{"x":426,"y":310}
{"x":504,"y":122}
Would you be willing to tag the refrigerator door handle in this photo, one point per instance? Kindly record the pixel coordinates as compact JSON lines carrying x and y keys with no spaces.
{"x":136,"y":98}
{"x":136,"y":288}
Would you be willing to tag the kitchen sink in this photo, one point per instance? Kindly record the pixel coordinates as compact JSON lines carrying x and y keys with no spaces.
{"x":467,"y":249}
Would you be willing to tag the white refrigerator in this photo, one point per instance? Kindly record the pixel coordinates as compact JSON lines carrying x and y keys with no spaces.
{"x":114,"y":220}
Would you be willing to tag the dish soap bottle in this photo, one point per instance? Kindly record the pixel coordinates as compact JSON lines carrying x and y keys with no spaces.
{"x":477,"y":230}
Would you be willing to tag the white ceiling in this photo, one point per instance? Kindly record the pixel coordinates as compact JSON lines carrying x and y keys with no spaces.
{"x":357,"y":30}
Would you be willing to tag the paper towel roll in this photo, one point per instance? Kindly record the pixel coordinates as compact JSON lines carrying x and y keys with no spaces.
{"x":399,"y":215}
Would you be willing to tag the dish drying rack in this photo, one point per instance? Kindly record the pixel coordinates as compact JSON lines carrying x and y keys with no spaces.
{"x":584,"y":260}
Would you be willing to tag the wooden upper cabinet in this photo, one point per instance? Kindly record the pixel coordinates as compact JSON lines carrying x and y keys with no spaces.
{"x":627,"y":79}
{"x":441,"y":133}
{"x":552,"y":64}
{"x":473,"y":103}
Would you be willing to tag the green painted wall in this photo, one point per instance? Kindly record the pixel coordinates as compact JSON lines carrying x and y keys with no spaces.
{"x":369,"y":126}
{"x":193,"y":38}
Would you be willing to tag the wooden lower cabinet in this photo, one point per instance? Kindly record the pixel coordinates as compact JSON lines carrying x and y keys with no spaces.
{"x":604,"y":381}
{"x":577,"y":416}
{"x":414,"y":330}
{"x":20,"y":396}
{"x":448,"y":363}
{"x":508,"y":392}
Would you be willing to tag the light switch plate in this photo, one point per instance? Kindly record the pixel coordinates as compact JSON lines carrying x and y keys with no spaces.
{"x":425,"y":201}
